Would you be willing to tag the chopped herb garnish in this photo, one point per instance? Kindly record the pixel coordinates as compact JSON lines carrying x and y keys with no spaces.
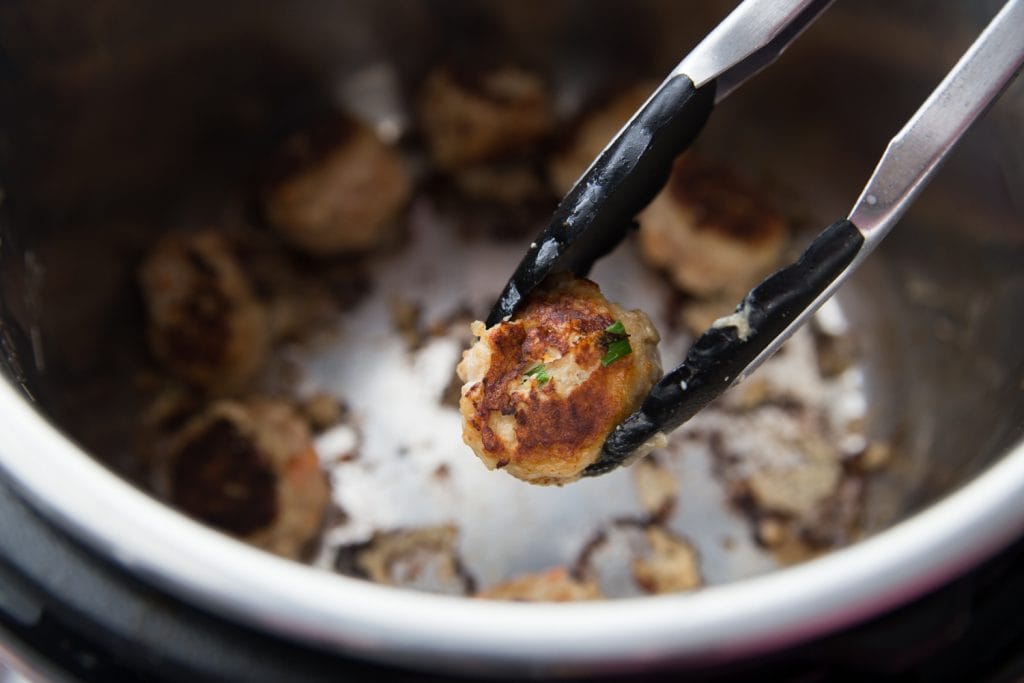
{"x":616,"y":350}
{"x":539,"y":372}
{"x":616,"y":343}
{"x":616,"y":328}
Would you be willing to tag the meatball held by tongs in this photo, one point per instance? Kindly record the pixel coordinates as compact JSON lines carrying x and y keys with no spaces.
{"x":543,"y":390}
{"x":599,"y":210}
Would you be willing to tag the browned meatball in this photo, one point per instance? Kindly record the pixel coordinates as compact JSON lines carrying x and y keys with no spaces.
{"x":205,"y":323}
{"x":250,"y":469}
{"x":543,"y":390}
{"x":339,"y":189}
{"x":713,"y":234}
{"x":469,"y":118}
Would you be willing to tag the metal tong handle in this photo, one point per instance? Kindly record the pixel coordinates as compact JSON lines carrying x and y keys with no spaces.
{"x":598,"y":211}
{"x":773,"y":310}
{"x":917,"y":151}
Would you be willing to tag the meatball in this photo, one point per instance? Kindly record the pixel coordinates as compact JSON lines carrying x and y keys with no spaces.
{"x":669,"y":566}
{"x":205,"y":323}
{"x":593,"y":133}
{"x":250,"y":469}
{"x":713,"y":234}
{"x":543,"y":390}
{"x":655,"y":486}
{"x":337,"y":188}
{"x":474,"y":117}
{"x":553,"y":585}
{"x":790,"y":474}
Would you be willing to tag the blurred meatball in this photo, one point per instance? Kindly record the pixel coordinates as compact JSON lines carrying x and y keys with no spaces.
{"x":793,"y":474}
{"x":250,"y":469}
{"x":473,"y":117}
{"x":713,"y":234}
{"x":669,"y":566}
{"x":337,"y":188}
{"x":593,"y":133}
{"x":205,"y":323}
{"x":504,"y":185}
{"x":655,"y":486}
{"x":543,"y":390}
{"x":553,"y":585}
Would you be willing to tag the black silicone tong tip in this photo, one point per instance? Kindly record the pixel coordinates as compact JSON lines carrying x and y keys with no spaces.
{"x":598,"y":212}
{"x":724,"y":351}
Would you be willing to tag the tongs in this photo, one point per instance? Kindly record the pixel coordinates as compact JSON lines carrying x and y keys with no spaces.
{"x":598,"y":211}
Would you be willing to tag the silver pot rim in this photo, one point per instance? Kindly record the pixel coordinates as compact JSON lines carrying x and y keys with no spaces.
{"x":349,"y":616}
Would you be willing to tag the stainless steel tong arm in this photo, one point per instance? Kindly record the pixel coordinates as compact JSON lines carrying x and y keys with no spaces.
{"x":916,"y":152}
{"x":598,"y":211}
{"x":749,"y":39}
{"x":736,"y":345}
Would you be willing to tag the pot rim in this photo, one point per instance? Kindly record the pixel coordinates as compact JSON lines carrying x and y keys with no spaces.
{"x":399,"y":626}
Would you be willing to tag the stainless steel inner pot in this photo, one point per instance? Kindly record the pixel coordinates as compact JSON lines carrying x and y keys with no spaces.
{"x":124,"y":119}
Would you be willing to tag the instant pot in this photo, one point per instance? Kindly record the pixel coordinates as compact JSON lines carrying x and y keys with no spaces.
{"x":122,"y":119}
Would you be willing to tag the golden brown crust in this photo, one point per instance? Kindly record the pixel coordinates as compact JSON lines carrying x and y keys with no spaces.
{"x":547,"y":432}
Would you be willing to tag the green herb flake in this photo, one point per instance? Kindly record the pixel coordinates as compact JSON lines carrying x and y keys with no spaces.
{"x":616,"y":350}
{"x":616,"y":328}
{"x":539,"y":372}
{"x":616,"y":343}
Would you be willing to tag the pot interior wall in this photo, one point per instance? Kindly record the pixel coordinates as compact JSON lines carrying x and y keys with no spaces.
{"x":129,"y":118}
